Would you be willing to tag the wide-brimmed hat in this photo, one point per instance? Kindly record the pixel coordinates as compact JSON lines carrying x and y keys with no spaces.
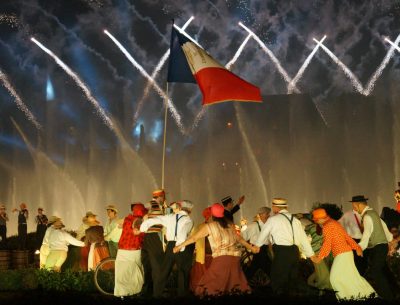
{"x":112,"y":208}
{"x":358,"y":198}
{"x":90,"y":214}
{"x":53,"y":219}
{"x":319,"y":214}
{"x":217,"y":210}
{"x":2,"y":206}
{"x":279,"y":202}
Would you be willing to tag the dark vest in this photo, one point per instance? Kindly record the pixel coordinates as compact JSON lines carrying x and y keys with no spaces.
{"x":378,"y":235}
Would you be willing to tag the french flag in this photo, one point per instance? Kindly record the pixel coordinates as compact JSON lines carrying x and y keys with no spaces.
{"x":189,"y":63}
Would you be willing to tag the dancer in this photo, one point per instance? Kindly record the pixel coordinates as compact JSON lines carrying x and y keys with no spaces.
{"x":230,"y":208}
{"x":224,"y":275}
{"x":375,"y":238}
{"x":178,"y":226}
{"x":23,"y":215}
{"x":345,"y":279}
{"x":112,"y":230}
{"x":41,"y":227}
{"x":129,"y":274}
{"x":287,"y":236}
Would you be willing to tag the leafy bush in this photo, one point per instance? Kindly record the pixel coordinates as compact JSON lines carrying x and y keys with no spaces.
{"x":67,"y":280}
{"x":22,"y":279}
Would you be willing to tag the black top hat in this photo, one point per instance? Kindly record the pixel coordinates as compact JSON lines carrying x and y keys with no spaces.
{"x":226,"y":200}
{"x":358,"y":198}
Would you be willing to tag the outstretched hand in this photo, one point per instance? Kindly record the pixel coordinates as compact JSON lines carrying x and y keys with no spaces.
{"x":255,"y":249}
{"x":176,"y":249}
{"x":240,"y":200}
{"x":359,"y":252}
{"x":315,"y":259}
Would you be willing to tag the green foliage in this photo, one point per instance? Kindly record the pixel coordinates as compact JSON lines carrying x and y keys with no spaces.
{"x":67,"y":280}
{"x":13,"y":280}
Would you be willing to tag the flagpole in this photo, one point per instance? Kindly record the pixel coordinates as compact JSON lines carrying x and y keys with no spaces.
{"x":165,"y":138}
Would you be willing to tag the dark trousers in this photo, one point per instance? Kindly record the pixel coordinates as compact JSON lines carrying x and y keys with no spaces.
{"x":261,"y":261}
{"x":40,"y":231}
{"x":152,"y":258}
{"x":183,"y":261}
{"x":22,"y":234}
{"x":379,"y":270}
{"x":361,"y":262}
{"x":3,"y":234}
{"x":285,"y":271}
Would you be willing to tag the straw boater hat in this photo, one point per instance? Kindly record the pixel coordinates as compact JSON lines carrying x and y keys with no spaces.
{"x":279,"y":202}
{"x":2,"y":207}
{"x":53,"y":219}
{"x":112,"y":208}
{"x":226,"y":200}
{"x":263,"y":210}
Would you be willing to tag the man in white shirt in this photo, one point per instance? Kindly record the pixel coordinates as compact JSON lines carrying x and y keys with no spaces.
{"x":261,"y":260}
{"x":375,"y":238}
{"x":351,"y":222}
{"x":287,"y":236}
{"x":58,"y":246}
{"x":178,"y":227}
{"x":112,"y":230}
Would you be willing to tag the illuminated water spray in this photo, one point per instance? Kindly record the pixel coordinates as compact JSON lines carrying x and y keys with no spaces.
{"x":20,"y":104}
{"x":162,"y":94}
{"x":154,"y":74}
{"x":100,"y":112}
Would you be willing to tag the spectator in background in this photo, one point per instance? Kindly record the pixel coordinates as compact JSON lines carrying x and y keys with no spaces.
{"x":112,"y":230}
{"x":3,"y":225}
{"x":23,"y":215}
{"x":41,"y":227}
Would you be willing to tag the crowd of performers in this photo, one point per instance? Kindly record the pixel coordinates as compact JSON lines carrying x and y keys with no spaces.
{"x":155,"y":237}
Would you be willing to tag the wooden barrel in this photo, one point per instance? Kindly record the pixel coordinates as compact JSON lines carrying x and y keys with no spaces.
{"x":5,"y":259}
{"x":20,"y":259}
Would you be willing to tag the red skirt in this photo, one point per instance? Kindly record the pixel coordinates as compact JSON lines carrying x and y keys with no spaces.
{"x":198,"y":271}
{"x":225,"y":276}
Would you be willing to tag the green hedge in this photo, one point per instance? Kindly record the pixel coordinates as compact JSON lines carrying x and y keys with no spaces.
{"x":30,"y":279}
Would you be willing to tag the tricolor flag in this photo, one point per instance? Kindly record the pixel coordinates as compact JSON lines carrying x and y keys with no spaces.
{"x":189,"y":63}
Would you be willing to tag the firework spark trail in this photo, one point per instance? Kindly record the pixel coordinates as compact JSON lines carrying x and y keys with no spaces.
{"x":156,"y":71}
{"x":19,"y":101}
{"x":182,"y":31}
{"x":148,"y":20}
{"x":354,"y":80}
{"x":394,"y":46}
{"x":11,"y":20}
{"x":238,"y":52}
{"x":300,"y":73}
{"x":162,"y":94}
{"x":88,"y":48}
{"x":278,"y":65}
{"x":100,"y":112}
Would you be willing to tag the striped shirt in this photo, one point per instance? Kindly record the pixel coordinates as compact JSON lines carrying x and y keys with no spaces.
{"x":222,"y":241}
{"x":154,"y":211}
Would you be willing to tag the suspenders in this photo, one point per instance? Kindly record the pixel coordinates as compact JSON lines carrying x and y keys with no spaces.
{"x":176,"y":224}
{"x":291,"y":224}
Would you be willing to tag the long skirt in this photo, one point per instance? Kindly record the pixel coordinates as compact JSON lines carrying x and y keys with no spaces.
{"x":198,"y":271}
{"x":225,"y":276}
{"x":346,"y":281}
{"x":320,"y":277}
{"x":97,"y":253}
{"x":129,"y":274}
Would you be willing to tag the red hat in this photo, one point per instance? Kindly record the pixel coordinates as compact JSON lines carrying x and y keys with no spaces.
{"x":158,"y":193}
{"x":207,"y":213}
{"x":139,"y":210}
{"x":217,"y":210}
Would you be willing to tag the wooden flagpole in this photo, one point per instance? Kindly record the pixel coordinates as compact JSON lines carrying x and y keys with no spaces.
{"x":165,"y":138}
